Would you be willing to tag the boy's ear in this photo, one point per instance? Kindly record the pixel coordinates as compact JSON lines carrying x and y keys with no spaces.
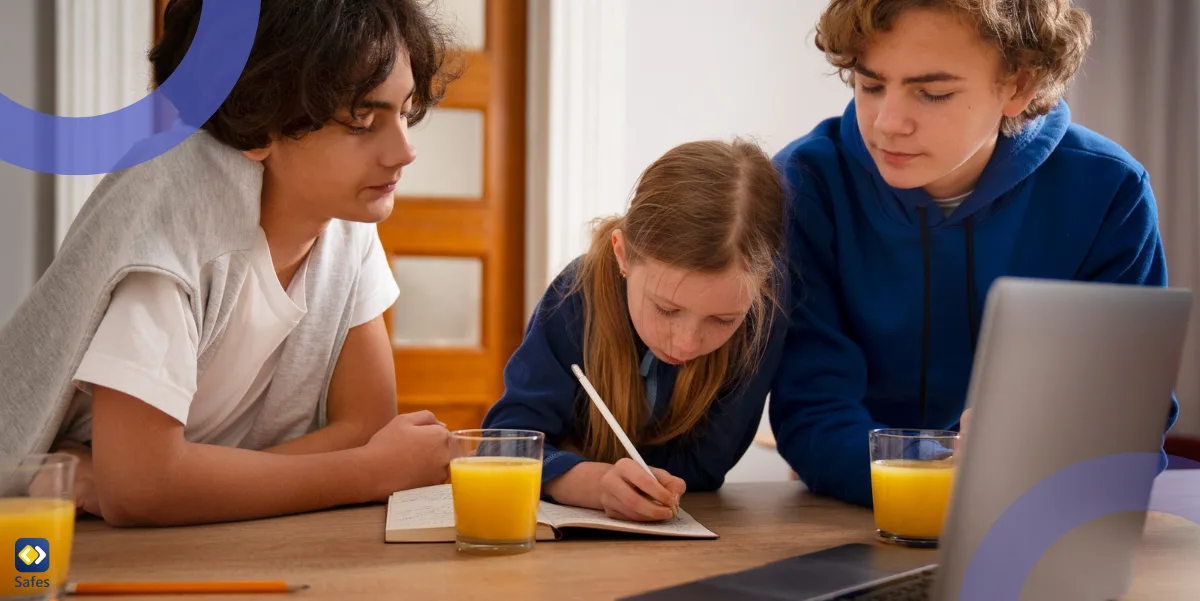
{"x":258,"y":154}
{"x":1023,"y":87}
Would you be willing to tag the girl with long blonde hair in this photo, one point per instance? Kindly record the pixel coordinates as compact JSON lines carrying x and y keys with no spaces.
{"x":673,"y":313}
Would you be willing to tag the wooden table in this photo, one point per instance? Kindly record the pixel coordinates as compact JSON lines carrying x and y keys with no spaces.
{"x":341,"y":553}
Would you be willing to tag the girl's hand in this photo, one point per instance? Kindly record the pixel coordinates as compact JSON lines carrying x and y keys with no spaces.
{"x":627,"y":492}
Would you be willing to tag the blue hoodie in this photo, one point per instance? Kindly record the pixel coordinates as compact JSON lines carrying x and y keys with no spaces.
{"x":889,"y":291}
{"x":541,"y":393}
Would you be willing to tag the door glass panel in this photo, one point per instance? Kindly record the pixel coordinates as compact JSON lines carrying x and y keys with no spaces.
{"x":449,"y":164}
{"x":468,"y":20}
{"x":440,"y":303}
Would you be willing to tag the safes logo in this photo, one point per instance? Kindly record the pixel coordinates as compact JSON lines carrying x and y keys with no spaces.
{"x":32,"y":555}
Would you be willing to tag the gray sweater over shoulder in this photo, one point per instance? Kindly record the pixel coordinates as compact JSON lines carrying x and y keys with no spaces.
{"x":193,"y":215}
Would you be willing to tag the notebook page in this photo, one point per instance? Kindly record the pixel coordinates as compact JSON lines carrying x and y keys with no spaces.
{"x":561,"y":516}
{"x":421,"y":508}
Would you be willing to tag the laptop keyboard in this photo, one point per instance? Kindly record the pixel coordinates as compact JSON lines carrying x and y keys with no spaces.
{"x":913,"y":587}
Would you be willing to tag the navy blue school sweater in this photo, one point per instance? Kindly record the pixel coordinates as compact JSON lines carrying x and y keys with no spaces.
{"x":542,"y":394}
{"x":889,"y":291}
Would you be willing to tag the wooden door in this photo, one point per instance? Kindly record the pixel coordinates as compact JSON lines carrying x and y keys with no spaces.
{"x":456,"y":236}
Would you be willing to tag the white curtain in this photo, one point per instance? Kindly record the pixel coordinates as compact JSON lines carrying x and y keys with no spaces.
{"x":576,"y":130}
{"x":1140,"y":86}
{"x":100,"y":56}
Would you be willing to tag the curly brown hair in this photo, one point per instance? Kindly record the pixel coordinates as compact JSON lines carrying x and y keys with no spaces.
{"x":1047,"y":37}
{"x":311,"y":60}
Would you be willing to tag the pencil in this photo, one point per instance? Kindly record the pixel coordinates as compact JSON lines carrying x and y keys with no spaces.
{"x":616,"y":428}
{"x":173,"y":588}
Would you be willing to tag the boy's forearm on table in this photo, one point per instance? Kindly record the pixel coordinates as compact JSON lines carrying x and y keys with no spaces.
{"x":208,"y":483}
{"x":338,"y":436}
{"x":832,"y":463}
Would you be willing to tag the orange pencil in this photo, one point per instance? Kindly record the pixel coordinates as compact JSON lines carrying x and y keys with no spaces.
{"x":172,"y":588}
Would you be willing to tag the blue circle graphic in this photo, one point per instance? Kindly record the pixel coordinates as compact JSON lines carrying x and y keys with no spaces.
{"x":132,"y":135}
{"x":1060,"y":503}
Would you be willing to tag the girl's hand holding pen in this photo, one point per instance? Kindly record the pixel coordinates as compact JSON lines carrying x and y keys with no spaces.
{"x":627,"y":492}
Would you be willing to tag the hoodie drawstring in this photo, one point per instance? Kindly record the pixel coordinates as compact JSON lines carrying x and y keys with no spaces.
{"x":928,"y":301}
{"x":925,"y":331}
{"x":970,"y":242}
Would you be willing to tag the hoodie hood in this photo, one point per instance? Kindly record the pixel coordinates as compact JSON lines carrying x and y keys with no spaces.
{"x":1014,"y":159}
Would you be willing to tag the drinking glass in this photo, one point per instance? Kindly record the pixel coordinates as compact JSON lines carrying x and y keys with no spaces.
{"x":37,"y":521}
{"x":912,"y":474}
{"x":496,"y":482}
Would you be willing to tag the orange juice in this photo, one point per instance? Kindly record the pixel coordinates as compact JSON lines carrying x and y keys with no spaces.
{"x":910,"y":496}
{"x":496,"y":498}
{"x":36,"y":518}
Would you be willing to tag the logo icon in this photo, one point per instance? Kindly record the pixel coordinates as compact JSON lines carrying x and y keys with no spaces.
{"x":32,"y":555}
{"x":151,"y":126}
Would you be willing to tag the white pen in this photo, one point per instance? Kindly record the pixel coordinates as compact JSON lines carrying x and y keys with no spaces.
{"x":612,"y":423}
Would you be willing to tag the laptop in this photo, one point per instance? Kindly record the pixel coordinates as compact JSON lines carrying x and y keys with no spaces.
{"x":1067,"y":374}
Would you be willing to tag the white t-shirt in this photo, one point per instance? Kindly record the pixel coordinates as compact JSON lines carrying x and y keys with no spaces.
{"x":146,"y":344}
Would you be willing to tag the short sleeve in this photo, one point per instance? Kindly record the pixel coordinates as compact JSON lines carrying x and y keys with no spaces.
{"x":145,"y":345}
{"x":377,"y":289}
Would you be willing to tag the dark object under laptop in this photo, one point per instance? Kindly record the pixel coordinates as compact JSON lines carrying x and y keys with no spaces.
{"x":852,"y":571}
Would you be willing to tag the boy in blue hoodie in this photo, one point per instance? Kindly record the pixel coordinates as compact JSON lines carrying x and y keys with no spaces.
{"x":955,"y":163}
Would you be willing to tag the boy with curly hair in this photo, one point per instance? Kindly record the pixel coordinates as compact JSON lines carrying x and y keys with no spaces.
{"x":955,"y":163}
{"x":209,"y":340}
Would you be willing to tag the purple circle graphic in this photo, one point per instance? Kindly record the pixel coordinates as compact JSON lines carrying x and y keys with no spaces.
{"x":132,"y":135}
{"x":1057,"y":505}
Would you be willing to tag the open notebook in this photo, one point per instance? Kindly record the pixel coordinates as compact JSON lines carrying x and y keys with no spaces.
{"x":426,"y":515}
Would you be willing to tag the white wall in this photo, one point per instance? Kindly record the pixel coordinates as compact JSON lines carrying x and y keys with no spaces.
{"x":716,"y":68}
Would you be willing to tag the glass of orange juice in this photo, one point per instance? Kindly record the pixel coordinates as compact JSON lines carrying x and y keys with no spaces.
{"x":496,"y":482}
{"x":912,"y":474}
{"x":37,"y":524}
